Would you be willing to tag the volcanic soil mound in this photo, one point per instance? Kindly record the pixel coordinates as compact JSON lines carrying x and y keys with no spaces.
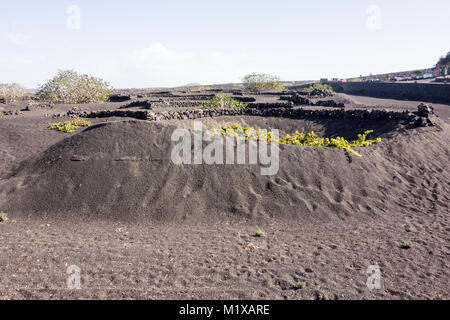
{"x":123,"y":171}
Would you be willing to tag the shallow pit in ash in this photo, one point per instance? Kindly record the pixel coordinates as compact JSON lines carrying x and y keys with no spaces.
{"x":123,"y":171}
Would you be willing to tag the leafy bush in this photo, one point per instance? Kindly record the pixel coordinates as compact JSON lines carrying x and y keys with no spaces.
{"x":259,"y":233}
{"x":200,"y":88}
{"x":247,"y":133}
{"x":319,"y":86}
{"x":12,"y":91}
{"x":224,"y":101}
{"x":300,"y":285}
{"x":299,"y":139}
{"x":69,"y":126}
{"x":3,"y":217}
{"x":71,"y":87}
{"x":312,"y":140}
{"x":406,"y":245}
{"x":257,"y":82}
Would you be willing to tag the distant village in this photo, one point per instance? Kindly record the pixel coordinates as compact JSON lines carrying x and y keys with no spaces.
{"x":439,"y":73}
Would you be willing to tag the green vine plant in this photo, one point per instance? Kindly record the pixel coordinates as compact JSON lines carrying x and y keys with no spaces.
{"x":69,"y":126}
{"x":223,"y":101}
{"x":299,"y":139}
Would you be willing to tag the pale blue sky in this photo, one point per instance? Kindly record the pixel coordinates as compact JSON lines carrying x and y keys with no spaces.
{"x":169,"y":43}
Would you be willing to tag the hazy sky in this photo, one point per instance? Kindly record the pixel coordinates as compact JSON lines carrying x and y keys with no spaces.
{"x":137,"y":43}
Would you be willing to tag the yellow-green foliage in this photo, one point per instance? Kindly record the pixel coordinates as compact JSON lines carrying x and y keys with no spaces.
{"x":224,"y":101}
{"x":200,"y":88}
{"x":300,"y":285}
{"x":299,"y":139}
{"x":236,"y":131}
{"x":3,"y":217}
{"x":71,"y":87}
{"x":259,"y":233}
{"x":319,"y":86}
{"x":12,"y":91}
{"x":257,"y":82}
{"x":69,"y":126}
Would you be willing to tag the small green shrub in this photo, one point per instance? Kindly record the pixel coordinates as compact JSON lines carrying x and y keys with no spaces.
{"x":406,"y":245}
{"x":71,"y":87}
{"x":299,"y":139}
{"x":300,"y":285}
{"x":69,"y":126}
{"x":3,"y":217}
{"x":200,"y":88}
{"x":12,"y":91}
{"x":319,"y":86}
{"x":259,"y":233}
{"x":223,"y":101}
{"x":257,"y":82}
{"x":312,"y":140}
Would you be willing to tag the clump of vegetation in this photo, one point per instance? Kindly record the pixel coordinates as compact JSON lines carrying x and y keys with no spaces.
{"x":12,"y":91}
{"x":406,"y":245}
{"x":247,"y":133}
{"x":300,"y":285}
{"x":319,"y":86}
{"x":71,"y":87}
{"x":3,"y":217}
{"x":199,"y":88}
{"x":259,"y":233}
{"x":69,"y":126}
{"x":312,"y":140}
{"x":257,"y":82}
{"x":223,"y":101}
{"x":299,"y":139}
